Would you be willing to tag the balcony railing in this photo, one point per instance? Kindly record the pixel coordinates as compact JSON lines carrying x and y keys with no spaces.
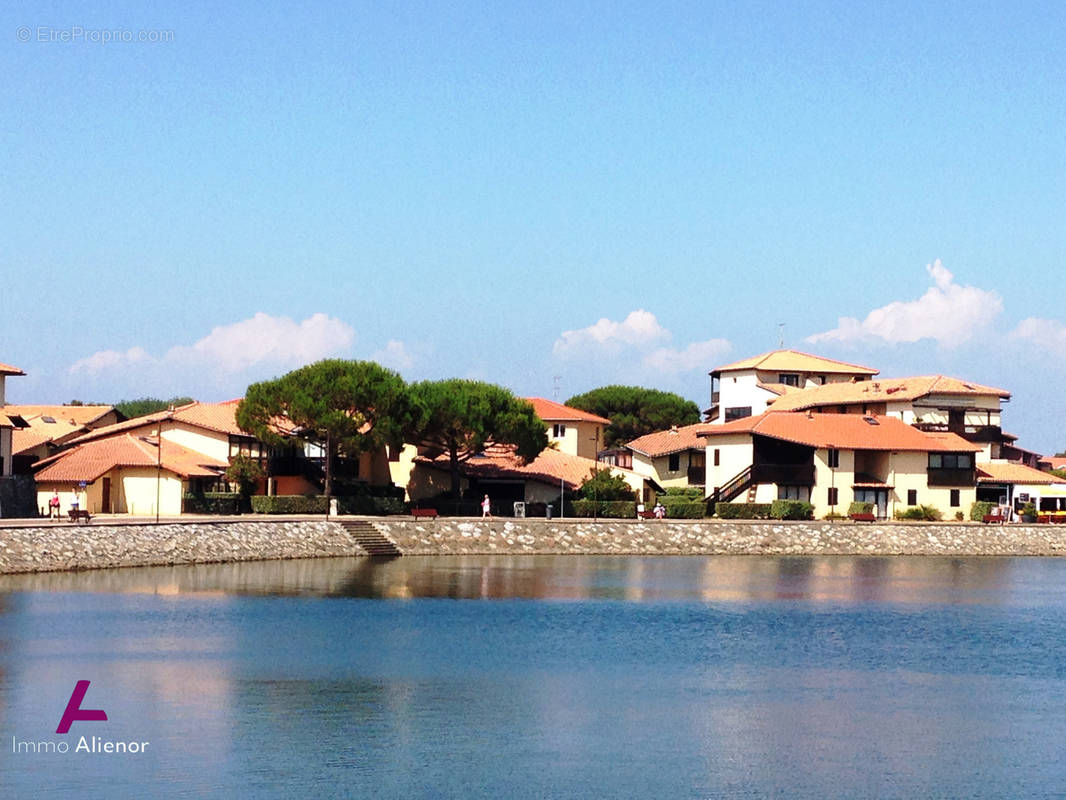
{"x":971,"y":433}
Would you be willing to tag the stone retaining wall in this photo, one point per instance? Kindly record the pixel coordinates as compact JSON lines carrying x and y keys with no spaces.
{"x":65,"y":547}
{"x":709,"y":537}
{"x":96,"y":546}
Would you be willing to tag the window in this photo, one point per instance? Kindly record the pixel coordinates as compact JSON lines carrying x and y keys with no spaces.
{"x":675,"y":462}
{"x":717,"y":457}
{"x":789,"y":379}
{"x":738,"y":412}
{"x":821,"y":380}
{"x":834,"y":496}
{"x":793,"y":493}
{"x":834,"y":459}
{"x":558,"y":431}
{"x":954,"y":498}
{"x":950,"y":461}
{"x":912,"y":497}
{"x":697,"y":458}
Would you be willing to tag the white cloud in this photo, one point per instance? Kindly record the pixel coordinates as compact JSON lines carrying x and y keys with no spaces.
{"x":104,"y":360}
{"x":698,"y":355}
{"x":261,"y":340}
{"x":630,"y":348}
{"x":1048,"y":334}
{"x":639,"y":328}
{"x":394,"y":355}
{"x":948,"y":313}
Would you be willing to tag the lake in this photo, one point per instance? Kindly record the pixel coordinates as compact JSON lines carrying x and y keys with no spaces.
{"x":546,"y":676}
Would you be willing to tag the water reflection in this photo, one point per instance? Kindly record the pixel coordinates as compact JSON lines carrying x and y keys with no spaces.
{"x":717,"y":579}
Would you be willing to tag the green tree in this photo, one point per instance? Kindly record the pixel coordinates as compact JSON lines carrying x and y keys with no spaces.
{"x":148,"y":405}
{"x":246,"y":473}
{"x":604,"y":485}
{"x":460,"y":417}
{"x":635,"y":411}
{"x":349,"y":407}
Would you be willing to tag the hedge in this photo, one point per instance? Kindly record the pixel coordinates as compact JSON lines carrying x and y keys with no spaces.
{"x":686,"y":510}
{"x":211,"y":503}
{"x":371,"y":505}
{"x":742,"y":510}
{"x":791,"y":509}
{"x":288,"y":504}
{"x":980,"y":509}
{"x":611,"y":509}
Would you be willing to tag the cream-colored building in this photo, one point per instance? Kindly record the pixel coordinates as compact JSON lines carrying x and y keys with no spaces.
{"x":746,"y":388}
{"x":571,"y":430}
{"x":932,"y":403}
{"x":832,"y":460}
{"x":9,"y":421}
{"x":673,"y":458}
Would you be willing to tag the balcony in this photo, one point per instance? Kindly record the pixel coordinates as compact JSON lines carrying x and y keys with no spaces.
{"x":978,"y":434}
{"x":951,"y":477}
{"x":787,"y":474}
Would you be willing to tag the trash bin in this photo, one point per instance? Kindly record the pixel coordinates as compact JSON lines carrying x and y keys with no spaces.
{"x":548,"y":511}
{"x":519,"y":508}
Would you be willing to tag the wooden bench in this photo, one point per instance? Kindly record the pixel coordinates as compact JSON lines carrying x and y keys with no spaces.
{"x":79,"y":514}
{"x":860,"y":517}
{"x":645,"y":515}
{"x":994,"y":517}
{"x":430,"y":513}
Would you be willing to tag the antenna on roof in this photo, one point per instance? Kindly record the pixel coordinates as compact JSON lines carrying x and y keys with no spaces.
{"x":780,"y":336}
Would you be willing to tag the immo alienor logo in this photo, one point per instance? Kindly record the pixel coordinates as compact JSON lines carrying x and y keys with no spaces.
{"x":86,"y":744}
{"x":74,"y":711}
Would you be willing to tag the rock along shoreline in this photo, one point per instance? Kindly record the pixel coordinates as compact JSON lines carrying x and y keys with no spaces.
{"x":44,"y":547}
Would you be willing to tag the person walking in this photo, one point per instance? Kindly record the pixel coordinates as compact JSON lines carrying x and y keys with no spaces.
{"x":486,"y":507}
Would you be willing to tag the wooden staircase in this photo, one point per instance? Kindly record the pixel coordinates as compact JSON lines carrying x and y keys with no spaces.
{"x":367,"y":536}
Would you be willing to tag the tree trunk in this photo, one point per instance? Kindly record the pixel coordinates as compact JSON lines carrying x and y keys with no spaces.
{"x":453,"y":452}
{"x":329,"y":471}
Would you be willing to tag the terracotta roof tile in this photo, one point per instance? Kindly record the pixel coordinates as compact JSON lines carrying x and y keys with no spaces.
{"x":997,"y":472}
{"x":218,"y":417}
{"x":843,"y":432}
{"x":89,"y":461}
{"x":550,"y":467}
{"x":883,"y":390}
{"x":7,"y":369}
{"x":795,"y":361}
{"x":550,"y":411}
{"x":675,"y":440}
{"x":75,"y":415}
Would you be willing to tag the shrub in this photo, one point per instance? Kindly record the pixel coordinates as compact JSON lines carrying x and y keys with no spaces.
{"x":860,"y":508}
{"x":693,"y":493}
{"x":613,"y":509}
{"x":211,"y":503}
{"x":834,"y":515}
{"x":791,"y":509}
{"x":980,"y":509}
{"x":289,"y":504}
{"x":926,"y":513}
{"x":959,"y":516}
{"x":742,"y":510}
{"x":602,"y":484}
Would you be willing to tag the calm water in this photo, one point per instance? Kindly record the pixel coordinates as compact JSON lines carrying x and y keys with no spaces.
{"x":543,"y":677}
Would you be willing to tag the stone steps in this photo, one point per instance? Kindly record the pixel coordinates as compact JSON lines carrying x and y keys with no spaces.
{"x":367,"y":536}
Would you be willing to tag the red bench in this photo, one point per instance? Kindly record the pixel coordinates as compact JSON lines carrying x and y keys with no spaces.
{"x":430,"y":513}
{"x":860,"y":517}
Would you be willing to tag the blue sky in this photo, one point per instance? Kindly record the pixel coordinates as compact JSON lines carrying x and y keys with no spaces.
{"x":551,"y":196}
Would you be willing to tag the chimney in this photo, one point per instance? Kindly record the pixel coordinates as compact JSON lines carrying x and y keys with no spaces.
{"x":673,"y":429}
